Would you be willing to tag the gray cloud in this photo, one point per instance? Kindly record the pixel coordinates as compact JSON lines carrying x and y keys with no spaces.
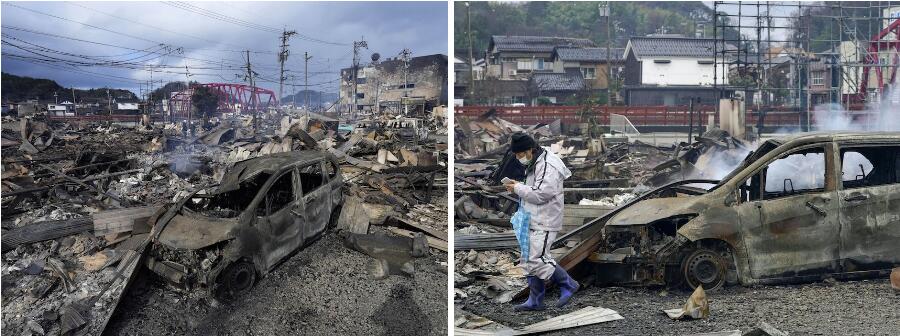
{"x":388,"y":27}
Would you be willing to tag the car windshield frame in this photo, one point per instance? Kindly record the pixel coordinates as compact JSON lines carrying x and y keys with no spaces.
{"x":763,"y":149}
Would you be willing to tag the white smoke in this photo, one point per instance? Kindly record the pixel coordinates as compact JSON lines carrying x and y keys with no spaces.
{"x":883,"y":115}
{"x":722,"y":161}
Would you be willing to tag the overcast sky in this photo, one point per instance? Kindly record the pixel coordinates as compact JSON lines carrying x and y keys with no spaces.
{"x":154,"y":30}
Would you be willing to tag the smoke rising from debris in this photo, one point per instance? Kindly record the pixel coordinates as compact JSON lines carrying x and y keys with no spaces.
{"x":878,"y":116}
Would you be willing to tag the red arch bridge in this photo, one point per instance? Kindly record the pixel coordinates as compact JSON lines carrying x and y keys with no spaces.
{"x":233,"y":98}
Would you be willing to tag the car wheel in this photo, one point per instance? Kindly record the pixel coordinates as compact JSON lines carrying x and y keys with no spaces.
{"x":704,"y":267}
{"x":236,"y":280}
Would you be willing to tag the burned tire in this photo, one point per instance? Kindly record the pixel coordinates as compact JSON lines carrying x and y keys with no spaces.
{"x":236,"y":280}
{"x":704,"y":267}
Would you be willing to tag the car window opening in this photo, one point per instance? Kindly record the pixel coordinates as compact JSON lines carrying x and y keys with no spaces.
{"x":280,"y":194}
{"x":228,"y":204}
{"x":311,"y":178}
{"x":869,"y":166}
{"x":798,"y":173}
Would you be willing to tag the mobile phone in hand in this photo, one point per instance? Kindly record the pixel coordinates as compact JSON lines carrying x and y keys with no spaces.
{"x":507,"y":180}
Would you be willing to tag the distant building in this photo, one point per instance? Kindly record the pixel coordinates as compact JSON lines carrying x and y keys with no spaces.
{"x":670,"y":70}
{"x":592,"y":63}
{"x":127,"y":106}
{"x":575,"y":71}
{"x":556,"y":88}
{"x":462,"y":75}
{"x":521,"y":69}
{"x":389,"y":86}
{"x":517,"y":57}
{"x":27,"y":108}
{"x":64,"y":109}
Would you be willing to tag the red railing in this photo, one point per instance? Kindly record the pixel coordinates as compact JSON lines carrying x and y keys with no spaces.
{"x":104,"y":117}
{"x":638,"y":115}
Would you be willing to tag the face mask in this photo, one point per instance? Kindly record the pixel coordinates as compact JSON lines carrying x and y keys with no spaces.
{"x":524,"y":161}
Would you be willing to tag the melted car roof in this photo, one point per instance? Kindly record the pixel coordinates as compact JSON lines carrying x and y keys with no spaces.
{"x":247,"y":169}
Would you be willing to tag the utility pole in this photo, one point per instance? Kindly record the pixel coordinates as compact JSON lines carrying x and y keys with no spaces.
{"x":356,"y":46}
{"x":306,"y":59}
{"x":691,"y":122}
{"x":150,"y":94}
{"x":56,"y":96}
{"x":252,"y":90}
{"x":605,"y":10}
{"x":282,"y":57}
{"x":293,"y":93}
{"x":187,"y":85}
{"x":108,"y":102}
{"x":471,"y":57}
{"x":404,"y":55}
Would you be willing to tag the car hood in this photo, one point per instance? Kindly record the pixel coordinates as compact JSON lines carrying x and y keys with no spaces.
{"x":190,"y":231}
{"x":647,"y":211}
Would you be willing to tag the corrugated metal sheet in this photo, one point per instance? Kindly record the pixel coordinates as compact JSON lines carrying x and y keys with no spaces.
{"x":582,"y":317}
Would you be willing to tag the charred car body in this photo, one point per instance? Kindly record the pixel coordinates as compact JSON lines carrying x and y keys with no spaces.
{"x":263,"y":210}
{"x":797,"y":209}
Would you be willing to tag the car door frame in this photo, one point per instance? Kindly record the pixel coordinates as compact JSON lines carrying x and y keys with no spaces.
{"x":282,"y":239}
{"x":335,"y":184}
{"x":772,"y":245}
{"x":316,"y":204}
{"x":865,"y":213}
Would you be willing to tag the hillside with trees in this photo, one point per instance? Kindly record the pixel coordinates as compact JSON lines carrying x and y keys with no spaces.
{"x":20,"y":88}
{"x":579,"y":19}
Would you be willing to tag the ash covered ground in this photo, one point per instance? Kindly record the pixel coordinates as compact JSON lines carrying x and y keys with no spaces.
{"x":322,"y":290}
{"x":867,"y":307}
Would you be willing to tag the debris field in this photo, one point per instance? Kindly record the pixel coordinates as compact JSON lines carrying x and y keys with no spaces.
{"x":636,"y":271}
{"x":88,"y":206}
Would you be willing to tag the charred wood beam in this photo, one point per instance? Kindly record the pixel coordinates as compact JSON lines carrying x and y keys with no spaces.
{"x":45,"y":231}
{"x":48,"y":186}
{"x":485,"y":189}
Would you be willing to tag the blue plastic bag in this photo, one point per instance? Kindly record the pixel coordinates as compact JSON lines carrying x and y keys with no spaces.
{"x":520,"y":221}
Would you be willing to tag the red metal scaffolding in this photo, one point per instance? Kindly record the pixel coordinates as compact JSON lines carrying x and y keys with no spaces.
{"x":872,"y":61}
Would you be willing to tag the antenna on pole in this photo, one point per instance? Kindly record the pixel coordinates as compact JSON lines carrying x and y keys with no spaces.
{"x":282,"y":57}
{"x":356,"y":46}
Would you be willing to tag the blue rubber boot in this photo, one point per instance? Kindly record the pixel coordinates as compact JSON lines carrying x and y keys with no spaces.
{"x":535,"y":296}
{"x":567,"y":285}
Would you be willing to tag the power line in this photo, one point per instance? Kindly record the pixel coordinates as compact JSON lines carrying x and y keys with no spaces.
{"x":75,"y":70}
{"x":115,"y":46}
{"x":221,"y":17}
{"x":81,"y":23}
{"x":229,"y":19}
{"x":91,"y":26}
{"x":154,"y":27}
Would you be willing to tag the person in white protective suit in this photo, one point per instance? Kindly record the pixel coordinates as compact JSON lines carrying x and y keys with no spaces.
{"x":542,"y":197}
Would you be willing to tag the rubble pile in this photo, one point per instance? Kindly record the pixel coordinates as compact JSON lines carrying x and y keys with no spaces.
{"x":609,"y":171}
{"x":80,"y":199}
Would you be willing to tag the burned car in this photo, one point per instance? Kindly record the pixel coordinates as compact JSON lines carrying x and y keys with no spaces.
{"x":263,"y":210}
{"x":801,"y":208}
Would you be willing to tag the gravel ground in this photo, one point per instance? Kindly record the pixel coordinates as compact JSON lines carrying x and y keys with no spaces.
{"x":322,"y":290}
{"x":867,"y":307}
